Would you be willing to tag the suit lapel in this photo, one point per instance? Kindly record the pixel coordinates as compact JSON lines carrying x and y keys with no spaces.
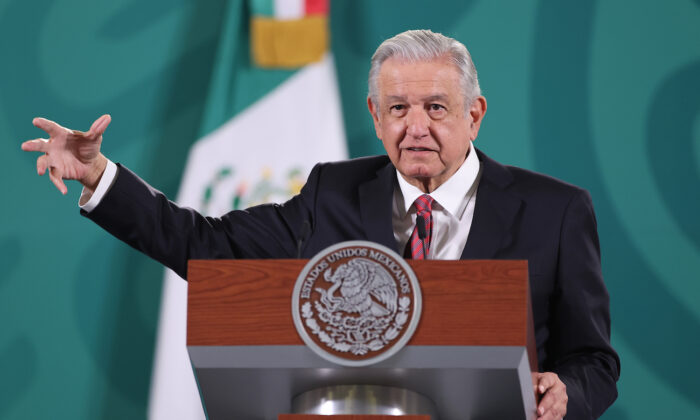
{"x":494,"y":214}
{"x":376,"y":201}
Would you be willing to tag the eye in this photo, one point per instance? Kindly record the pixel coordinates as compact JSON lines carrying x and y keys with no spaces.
{"x":398,"y":110}
{"x":436,"y":111}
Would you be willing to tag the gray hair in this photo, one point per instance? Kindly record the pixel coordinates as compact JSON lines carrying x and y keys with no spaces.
{"x":425,"y":45}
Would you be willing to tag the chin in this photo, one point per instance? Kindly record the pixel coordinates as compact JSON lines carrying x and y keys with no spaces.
{"x":418,"y":173}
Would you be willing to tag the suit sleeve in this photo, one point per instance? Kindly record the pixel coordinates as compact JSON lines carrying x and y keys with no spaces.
{"x":145,"y":219}
{"x":585,"y":360}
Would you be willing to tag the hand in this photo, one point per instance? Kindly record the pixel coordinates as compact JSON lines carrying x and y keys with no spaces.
{"x":551,"y":393}
{"x":70,"y":154}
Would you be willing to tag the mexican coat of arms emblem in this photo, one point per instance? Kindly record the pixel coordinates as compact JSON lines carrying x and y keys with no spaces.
{"x":356,"y":303}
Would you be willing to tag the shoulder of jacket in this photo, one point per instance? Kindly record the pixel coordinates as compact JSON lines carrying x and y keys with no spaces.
{"x":527,"y":183}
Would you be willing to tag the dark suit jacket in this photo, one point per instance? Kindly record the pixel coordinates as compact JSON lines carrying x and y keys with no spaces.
{"x":518,"y":215}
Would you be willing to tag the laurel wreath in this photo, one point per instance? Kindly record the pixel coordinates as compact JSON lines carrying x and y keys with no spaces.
{"x":357,"y":348}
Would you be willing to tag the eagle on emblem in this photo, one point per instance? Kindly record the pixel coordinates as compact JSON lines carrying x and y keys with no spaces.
{"x":365,"y":288}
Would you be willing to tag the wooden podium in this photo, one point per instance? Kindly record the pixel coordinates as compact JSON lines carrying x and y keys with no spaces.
{"x":471,"y":355}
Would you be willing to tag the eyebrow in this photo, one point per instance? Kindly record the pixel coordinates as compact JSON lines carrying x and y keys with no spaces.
{"x":392,"y":98}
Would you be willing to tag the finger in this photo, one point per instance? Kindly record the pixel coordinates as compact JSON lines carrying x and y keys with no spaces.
{"x":100,"y":125}
{"x":41,"y":164}
{"x":36,"y":145}
{"x":47,"y":125}
{"x":553,"y":413}
{"x":546,"y":403}
{"x":536,"y":377}
{"x":554,"y":401}
{"x":55,"y":176}
{"x":545,"y":382}
{"x":546,"y":416}
{"x":549,"y":416}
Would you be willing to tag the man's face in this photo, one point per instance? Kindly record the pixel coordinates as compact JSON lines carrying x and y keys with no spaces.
{"x":422,"y":121}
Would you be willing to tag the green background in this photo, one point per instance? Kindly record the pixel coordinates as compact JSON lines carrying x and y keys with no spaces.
{"x":603,"y":94}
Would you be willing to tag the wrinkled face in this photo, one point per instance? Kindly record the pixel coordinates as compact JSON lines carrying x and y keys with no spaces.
{"x":422,"y":121}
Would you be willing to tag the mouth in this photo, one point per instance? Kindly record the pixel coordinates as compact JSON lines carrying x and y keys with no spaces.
{"x":418,"y":149}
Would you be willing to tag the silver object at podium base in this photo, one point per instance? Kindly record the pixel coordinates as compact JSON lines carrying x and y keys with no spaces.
{"x":363,"y":399}
{"x":464,"y":382}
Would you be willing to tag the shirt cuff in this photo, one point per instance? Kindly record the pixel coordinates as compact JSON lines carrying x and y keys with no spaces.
{"x":105,"y":182}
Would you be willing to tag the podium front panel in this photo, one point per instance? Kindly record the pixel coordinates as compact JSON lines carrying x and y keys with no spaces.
{"x":471,"y":354}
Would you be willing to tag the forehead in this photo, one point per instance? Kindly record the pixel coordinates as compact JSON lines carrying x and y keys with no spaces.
{"x":404,"y":78}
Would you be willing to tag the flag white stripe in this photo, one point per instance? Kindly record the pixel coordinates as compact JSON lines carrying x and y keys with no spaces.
{"x":289,"y":9}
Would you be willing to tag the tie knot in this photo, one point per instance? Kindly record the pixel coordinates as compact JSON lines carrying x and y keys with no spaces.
{"x":424,"y":204}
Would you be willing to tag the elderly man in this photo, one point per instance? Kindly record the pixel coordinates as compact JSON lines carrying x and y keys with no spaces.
{"x":425,"y":100}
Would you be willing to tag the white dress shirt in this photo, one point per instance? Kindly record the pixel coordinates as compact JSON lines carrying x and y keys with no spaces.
{"x":452,"y":210}
{"x":102,"y":187}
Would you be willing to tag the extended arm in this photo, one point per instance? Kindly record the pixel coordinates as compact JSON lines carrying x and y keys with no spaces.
{"x":144,"y":218}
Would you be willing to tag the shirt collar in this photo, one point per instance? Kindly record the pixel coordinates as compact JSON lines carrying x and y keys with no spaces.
{"x":452,"y":194}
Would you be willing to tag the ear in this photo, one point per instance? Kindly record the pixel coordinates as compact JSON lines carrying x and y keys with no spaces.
{"x":477,"y":110}
{"x":375,"y":117}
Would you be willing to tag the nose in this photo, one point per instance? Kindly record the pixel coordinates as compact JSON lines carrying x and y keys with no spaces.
{"x":417,"y":123}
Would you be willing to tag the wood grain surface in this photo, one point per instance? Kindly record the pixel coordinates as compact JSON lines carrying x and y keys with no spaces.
{"x":248,"y":302}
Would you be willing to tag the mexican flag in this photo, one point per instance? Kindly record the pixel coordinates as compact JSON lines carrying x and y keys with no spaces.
{"x":273,"y":111}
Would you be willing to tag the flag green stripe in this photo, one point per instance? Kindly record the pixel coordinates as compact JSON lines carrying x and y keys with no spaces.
{"x":236,"y":83}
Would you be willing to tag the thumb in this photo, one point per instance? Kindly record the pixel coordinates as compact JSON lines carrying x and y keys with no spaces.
{"x":100,"y":125}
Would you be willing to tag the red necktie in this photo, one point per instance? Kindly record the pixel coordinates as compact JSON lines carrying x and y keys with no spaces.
{"x":424,"y":205}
